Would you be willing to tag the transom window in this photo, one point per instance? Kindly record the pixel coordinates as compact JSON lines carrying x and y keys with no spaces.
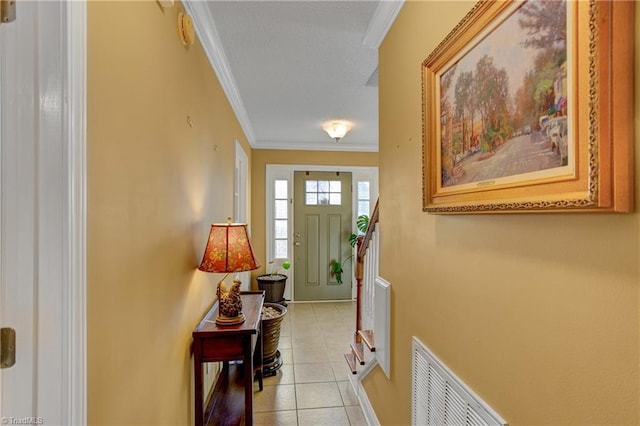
{"x":323,"y":192}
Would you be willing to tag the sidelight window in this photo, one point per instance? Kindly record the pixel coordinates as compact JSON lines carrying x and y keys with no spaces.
{"x":281,"y":219}
{"x":364,"y":198}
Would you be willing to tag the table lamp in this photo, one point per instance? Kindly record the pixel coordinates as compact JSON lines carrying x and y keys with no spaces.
{"x":229,"y":250}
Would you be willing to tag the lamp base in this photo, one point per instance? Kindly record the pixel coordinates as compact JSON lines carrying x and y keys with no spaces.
{"x":224,"y":320}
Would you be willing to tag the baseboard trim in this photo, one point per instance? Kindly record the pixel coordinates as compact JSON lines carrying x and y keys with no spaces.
{"x":356,"y":383}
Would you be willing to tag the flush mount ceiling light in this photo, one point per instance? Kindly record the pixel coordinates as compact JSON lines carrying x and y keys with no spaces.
{"x":336,"y":129}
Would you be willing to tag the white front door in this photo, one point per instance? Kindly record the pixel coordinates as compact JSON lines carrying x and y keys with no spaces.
{"x":42,"y":213}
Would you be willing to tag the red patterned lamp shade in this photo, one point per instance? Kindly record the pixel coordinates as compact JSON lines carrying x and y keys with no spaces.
{"x":228,"y":249}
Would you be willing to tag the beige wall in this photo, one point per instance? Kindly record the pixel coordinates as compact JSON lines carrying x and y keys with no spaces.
{"x":537,"y":313}
{"x":155,"y":183}
{"x":262,"y":157}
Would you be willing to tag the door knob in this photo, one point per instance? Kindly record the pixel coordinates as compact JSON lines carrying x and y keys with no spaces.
{"x":297,"y":235}
{"x":297,"y":244}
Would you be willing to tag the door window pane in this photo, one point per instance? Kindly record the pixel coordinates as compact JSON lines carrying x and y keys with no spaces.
{"x":281,"y":209}
{"x":364,"y":198}
{"x":281,"y":229}
{"x":363,"y":208}
{"x":281,"y":187}
{"x":363,"y":190}
{"x":281,"y":249}
{"x":323,"y":192}
{"x":312,"y":199}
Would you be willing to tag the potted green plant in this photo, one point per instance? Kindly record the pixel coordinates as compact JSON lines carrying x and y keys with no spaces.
{"x":336,"y":267}
{"x":274,"y":284}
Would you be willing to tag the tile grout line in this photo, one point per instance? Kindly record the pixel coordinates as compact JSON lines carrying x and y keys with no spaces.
{"x":317,"y":315}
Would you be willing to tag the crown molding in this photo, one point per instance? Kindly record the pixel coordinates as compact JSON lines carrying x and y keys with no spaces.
{"x":316,"y":146}
{"x":381,"y":22}
{"x":212,"y":45}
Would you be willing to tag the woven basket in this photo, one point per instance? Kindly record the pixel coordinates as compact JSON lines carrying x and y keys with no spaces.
{"x":271,"y":332}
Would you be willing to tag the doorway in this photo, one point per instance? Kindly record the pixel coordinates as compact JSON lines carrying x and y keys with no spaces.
{"x":279,"y":212}
{"x":322,"y":225}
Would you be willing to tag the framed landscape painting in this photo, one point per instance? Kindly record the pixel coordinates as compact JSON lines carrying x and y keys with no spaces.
{"x":527,"y":107}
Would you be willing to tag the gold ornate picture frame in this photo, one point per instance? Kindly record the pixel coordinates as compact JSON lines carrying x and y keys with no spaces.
{"x":528,"y":107}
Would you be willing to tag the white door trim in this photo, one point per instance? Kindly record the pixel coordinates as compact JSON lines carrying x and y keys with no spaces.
{"x":285,"y":172}
{"x":240,"y":186}
{"x":51,"y":130}
{"x":76,"y":381}
{"x":240,"y":205}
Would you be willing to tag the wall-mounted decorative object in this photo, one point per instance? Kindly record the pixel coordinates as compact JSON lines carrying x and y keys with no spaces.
{"x":527,"y":107}
{"x":186,"y":32}
{"x":166,"y":3}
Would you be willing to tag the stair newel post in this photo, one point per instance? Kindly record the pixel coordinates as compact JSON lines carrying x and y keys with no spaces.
{"x":359,"y":277}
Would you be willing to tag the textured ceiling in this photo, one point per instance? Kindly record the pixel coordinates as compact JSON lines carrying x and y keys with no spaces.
{"x":289,"y":66}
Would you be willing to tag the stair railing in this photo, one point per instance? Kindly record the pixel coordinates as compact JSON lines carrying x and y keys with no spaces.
{"x":366,"y":273}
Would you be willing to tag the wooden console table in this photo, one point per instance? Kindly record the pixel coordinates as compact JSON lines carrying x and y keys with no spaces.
{"x":214,"y":343}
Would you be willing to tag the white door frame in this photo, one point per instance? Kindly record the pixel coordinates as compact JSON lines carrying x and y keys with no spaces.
{"x":76,"y":45}
{"x":285,"y":172}
{"x":240,"y":185}
{"x":54,"y":129}
{"x":240,"y":205}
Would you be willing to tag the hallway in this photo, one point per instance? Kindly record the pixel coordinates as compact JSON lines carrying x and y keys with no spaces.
{"x":312,"y":387}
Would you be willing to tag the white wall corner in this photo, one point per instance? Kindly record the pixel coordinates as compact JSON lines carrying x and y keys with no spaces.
{"x":356,"y":383}
{"x":381,"y":22}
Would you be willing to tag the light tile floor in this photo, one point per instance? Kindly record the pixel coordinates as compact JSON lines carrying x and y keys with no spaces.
{"x":312,"y":387}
